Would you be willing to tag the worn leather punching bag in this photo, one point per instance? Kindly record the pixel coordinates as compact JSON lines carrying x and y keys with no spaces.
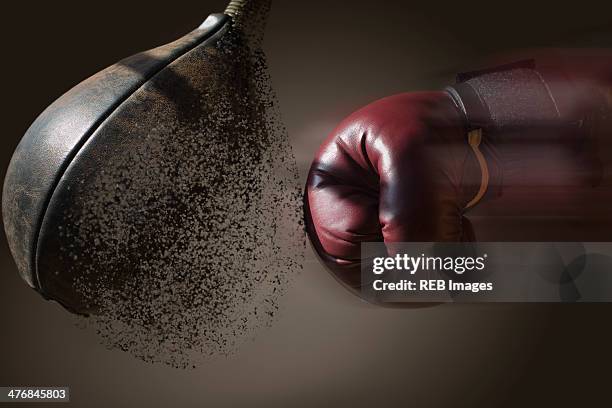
{"x":167,"y":165}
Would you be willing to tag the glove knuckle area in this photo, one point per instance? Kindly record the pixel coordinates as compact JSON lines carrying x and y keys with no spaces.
{"x":342,"y":196}
{"x":375,"y":170}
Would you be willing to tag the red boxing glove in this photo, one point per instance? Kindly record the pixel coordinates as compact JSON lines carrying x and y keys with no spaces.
{"x":397,"y":170}
{"x":409,"y":167}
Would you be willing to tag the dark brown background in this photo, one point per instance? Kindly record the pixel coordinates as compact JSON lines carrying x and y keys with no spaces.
{"x":328,"y":348}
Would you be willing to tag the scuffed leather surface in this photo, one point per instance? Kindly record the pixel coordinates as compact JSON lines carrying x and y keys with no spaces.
{"x":57,"y":134}
{"x":180,"y":197}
